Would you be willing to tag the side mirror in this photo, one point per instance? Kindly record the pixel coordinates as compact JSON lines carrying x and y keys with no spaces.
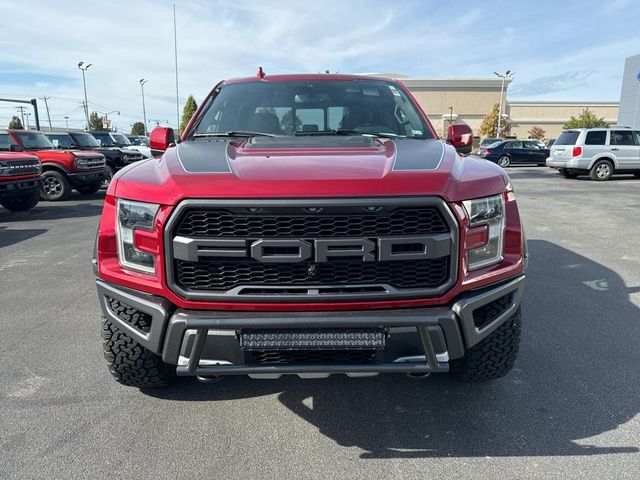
{"x":160,"y":139}
{"x":16,"y":148}
{"x":461,"y":137}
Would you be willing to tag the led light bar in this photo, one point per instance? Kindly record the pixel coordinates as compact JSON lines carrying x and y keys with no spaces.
{"x":317,"y":339}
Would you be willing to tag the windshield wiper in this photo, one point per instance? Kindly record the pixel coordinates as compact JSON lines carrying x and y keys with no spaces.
{"x":234,"y":133}
{"x":343,"y":131}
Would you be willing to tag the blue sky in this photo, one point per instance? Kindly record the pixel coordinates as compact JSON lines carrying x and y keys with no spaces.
{"x":559,"y":50}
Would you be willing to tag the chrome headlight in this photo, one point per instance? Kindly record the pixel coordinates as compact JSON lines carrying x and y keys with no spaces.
{"x":133,"y":216}
{"x":489,"y":212}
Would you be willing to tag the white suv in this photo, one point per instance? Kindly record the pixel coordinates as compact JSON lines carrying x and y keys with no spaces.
{"x":597,"y":152}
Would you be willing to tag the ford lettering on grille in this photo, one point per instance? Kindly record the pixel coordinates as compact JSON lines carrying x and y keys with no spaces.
{"x":316,"y":250}
{"x":295,"y":250}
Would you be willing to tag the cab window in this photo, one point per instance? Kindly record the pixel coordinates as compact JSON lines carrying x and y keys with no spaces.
{"x":597,"y":137}
{"x":622,"y":137}
{"x":5,"y":141}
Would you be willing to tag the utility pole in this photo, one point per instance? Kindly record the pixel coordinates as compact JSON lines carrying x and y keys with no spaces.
{"x":21,"y":114}
{"x":175,"y":52}
{"x":508,"y":75}
{"x":66,"y":121}
{"x":144,"y":111}
{"x":46,"y":105}
{"x":28,"y":127}
{"x":84,"y":66}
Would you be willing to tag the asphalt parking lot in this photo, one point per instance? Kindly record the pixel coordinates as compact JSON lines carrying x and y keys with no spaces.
{"x":568,"y":410}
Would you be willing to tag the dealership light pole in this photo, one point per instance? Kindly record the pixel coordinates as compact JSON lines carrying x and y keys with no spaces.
{"x":84,"y":66}
{"x":508,"y":75}
{"x":144,"y":111}
{"x":66,"y":121}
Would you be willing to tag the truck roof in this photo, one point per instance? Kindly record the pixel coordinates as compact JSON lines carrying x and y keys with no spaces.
{"x":308,"y":76}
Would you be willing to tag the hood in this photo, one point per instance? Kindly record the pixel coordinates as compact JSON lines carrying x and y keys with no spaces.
{"x":309,"y":167}
{"x":85,"y":153}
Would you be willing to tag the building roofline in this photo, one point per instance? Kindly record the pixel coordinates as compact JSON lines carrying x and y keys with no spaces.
{"x":526,"y":103}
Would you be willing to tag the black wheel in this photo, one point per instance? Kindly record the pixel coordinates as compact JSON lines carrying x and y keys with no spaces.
{"x":55,"y":186}
{"x":129,"y":362}
{"x":23,"y":202}
{"x":504,"y":161}
{"x":108,"y":176}
{"x":601,"y":170}
{"x":568,"y":173}
{"x":89,"y":188}
{"x":494,"y":356}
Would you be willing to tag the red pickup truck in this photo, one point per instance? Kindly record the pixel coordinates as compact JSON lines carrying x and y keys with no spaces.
{"x":310,"y":225}
{"x":19,"y":180}
{"x":63,"y":170}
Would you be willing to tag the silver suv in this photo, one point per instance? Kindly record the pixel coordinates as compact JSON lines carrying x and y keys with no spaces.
{"x":597,"y":152}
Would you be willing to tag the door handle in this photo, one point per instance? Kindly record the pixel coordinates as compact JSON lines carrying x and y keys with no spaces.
{"x":615,"y":149}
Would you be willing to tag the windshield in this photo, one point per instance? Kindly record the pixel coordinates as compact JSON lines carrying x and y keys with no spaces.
{"x":60,"y":140}
{"x":313,"y":107}
{"x":135,"y":140}
{"x":85,"y":140}
{"x":104,"y":139}
{"x":34,"y":141}
{"x":121,"y":139}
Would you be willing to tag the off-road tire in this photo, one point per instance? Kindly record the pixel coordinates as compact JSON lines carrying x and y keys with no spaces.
{"x":494,"y":356}
{"x":55,"y":186}
{"x":23,"y":202}
{"x":109,"y":172}
{"x":89,"y":188}
{"x":599,"y":169}
{"x":129,"y":362}
{"x":568,"y":173}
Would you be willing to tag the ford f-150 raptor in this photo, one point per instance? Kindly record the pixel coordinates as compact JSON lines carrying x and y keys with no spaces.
{"x":310,"y":225}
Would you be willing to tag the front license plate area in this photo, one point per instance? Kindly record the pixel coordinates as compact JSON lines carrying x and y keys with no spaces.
{"x":313,"y":339}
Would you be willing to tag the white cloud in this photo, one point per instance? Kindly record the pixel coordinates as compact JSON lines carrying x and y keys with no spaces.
{"x":126,"y":41}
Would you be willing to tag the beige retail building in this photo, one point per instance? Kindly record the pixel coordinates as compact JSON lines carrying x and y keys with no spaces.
{"x":469,"y":99}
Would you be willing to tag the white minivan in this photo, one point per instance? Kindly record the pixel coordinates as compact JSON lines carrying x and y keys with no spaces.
{"x":597,"y":152}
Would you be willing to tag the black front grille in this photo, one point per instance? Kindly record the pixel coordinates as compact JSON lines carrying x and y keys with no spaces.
{"x":215,"y":276}
{"x":221,"y":276}
{"x":20,"y":167}
{"x":270,"y":357}
{"x":225,"y":223}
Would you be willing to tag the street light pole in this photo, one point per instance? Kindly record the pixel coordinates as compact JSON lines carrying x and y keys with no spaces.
{"x":66,"y":121}
{"x":84,"y":66}
{"x":144,"y":110}
{"x":507,"y":75}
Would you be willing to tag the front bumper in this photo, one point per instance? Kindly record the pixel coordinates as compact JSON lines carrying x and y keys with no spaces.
{"x":420,"y":340}
{"x":83,"y":178}
{"x":10,"y":188}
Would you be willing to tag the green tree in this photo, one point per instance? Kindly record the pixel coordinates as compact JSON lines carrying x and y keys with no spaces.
{"x":189,"y":109}
{"x":97,"y":123}
{"x":537,"y":133}
{"x":290,"y":123}
{"x":586,"y":119}
{"x":490,"y":124}
{"x":137,"y":128}
{"x":15,"y":123}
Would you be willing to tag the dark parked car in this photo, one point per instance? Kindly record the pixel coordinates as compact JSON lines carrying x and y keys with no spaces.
{"x":485,"y":143}
{"x":115,"y":157}
{"x":506,"y":152}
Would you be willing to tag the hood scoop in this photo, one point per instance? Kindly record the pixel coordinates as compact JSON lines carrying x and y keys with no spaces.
{"x":311,"y":158}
